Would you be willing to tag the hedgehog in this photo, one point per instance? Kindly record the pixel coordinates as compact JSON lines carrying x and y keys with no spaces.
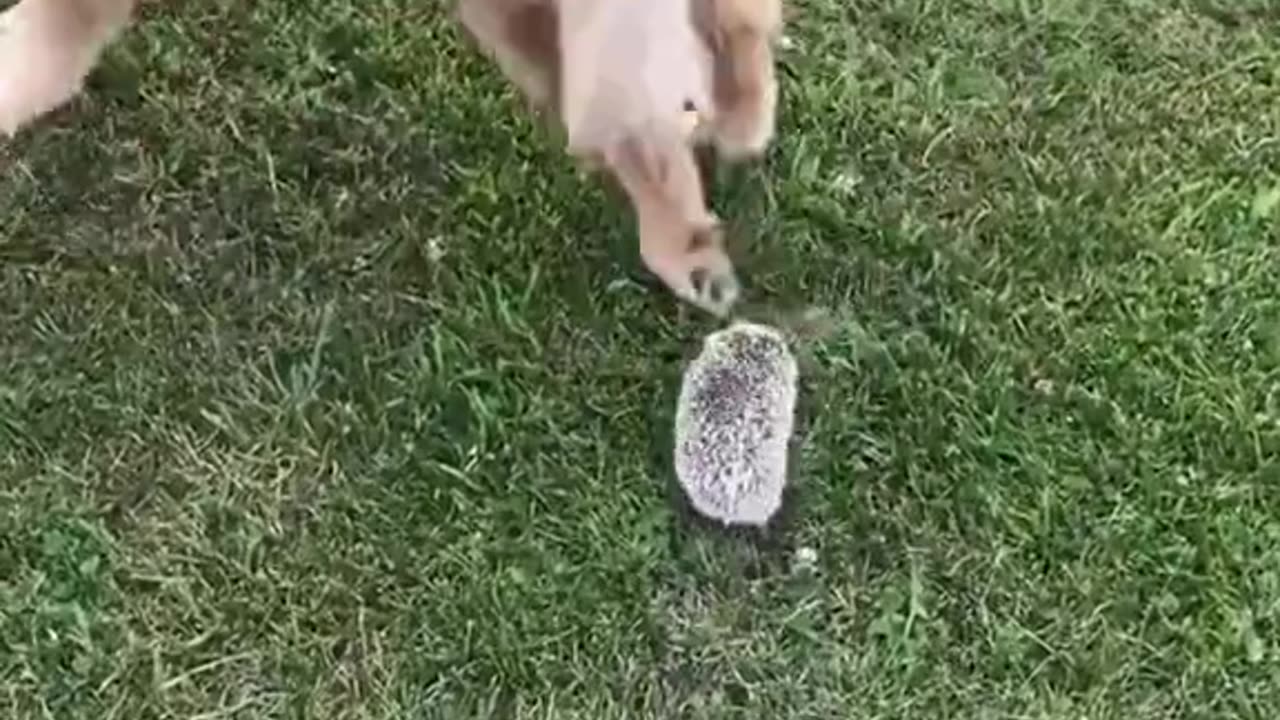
{"x":733,"y":424}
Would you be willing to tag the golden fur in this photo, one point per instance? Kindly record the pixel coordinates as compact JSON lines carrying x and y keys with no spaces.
{"x":719,"y":51}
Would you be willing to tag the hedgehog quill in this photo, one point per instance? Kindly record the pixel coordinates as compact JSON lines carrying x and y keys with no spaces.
{"x":734,"y":422}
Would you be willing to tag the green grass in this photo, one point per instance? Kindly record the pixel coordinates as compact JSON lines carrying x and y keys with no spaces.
{"x":329,"y":390}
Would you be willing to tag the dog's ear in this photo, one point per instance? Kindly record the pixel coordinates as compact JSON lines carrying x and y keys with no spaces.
{"x":523,"y":36}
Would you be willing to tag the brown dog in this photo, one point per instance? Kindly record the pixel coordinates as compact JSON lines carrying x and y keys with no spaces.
{"x":624,"y":78}
{"x":637,"y":83}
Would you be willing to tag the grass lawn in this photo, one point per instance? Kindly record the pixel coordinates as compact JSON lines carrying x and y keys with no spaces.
{"x":329,"y":390}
